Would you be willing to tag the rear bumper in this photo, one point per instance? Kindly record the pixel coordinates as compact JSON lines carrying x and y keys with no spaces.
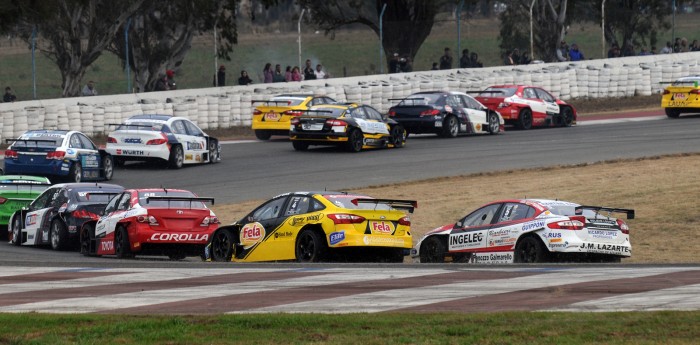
{"x":319,"y":137}
{"x":432,"y":124}
{"x":42,"y":168}
{"x":144,"y":152}
{"x":341,"y":239}
{"x":271,"y":125}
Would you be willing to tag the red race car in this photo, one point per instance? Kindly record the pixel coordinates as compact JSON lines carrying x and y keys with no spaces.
{"x":169,"y":222}
{"x":527,"y":106}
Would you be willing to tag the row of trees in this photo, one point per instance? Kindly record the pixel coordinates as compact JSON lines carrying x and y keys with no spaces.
{"x":74,"y":33}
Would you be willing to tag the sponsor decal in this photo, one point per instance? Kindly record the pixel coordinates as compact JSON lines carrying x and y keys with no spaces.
{"x":500,"y":232}
{"x":271,"y":116}
{"x":188,"y":157}
{"x":193,"y":145}
{"x":90,"y":161}
{"x":448,"y":108}
{"x":607,"y":234}
{"x":467,"y":240}
{"x":132,"y":140}
{"x":552,"y":235}
{"x":383,"y":241}
{"x":381,"y":227}
{"x":251,"y":234}
{"x":131,"y":152}
{"x":31,"y":219}
{"x":677,"y":103}
{"x":604,"y":248}
{"x":294,"y":221}
{"x":198,"y":158}
{"x":478,"y":126}
{"x":538,"y":224}
{"x":314,"y":217}
{"x":559,"y":245}
{"x":336,"y":237}
{"x":502,"y":242}
{"x":70,"y":151}
{"x":283,"y":234}
{"x":492,"y":258}
{"x":170,"y":237}
{"x":679,"y":96}
{"x":555,"y":240}
{"x":106,"y":246}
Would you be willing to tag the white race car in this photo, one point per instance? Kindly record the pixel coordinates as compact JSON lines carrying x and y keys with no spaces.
{"x":530,"y":231}
{"x":175,"y":140}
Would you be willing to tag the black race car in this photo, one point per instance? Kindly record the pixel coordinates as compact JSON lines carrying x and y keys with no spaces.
{"x":351,"y":125}
{"x":445,"y":114}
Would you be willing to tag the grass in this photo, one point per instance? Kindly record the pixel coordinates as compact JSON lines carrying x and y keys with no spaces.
{"x":389,"y":328}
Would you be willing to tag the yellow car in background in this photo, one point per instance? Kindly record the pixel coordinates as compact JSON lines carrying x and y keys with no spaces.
{"x":318,"y":226}
{"x":682,"y":96}
{"x":271,"y":117}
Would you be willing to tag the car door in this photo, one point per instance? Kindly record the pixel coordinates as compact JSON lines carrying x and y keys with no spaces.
{"x":179,"y":130}
{"x":294,"y":217}
{"x":476,"y":114}
{"x":455,"y":105}
{"x":196,"y":142}
{"x":87,"y":154}
{"x":550,"y":102}
{"x":508,"y":225}
{"x":36,"y":221}
{"x":471,"y":232}
{"x":261,"y":222}
{"x":112,"y":214}
{"x":539,"y":108}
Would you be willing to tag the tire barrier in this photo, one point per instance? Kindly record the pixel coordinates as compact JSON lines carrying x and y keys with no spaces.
{"x":231,"y":106}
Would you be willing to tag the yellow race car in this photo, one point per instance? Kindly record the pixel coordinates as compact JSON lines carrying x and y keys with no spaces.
{"x":682,"y":96}
{"x":271,"y":117}
{"x":318,"y":226}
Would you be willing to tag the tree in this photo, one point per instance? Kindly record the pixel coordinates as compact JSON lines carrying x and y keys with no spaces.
{"x":633,"y":21}
{"x":406,"y":23}
{"x":74,"y":33}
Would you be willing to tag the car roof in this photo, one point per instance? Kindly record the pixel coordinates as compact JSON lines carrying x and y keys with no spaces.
{"x":24,"y":179}
{"x":138,"y":190}
{"x":551,"y":203}
{"x":316,"y":193}
{"x":88,"y":185}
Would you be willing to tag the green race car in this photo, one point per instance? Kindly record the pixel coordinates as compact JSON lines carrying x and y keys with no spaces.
{"x":17,"y":191}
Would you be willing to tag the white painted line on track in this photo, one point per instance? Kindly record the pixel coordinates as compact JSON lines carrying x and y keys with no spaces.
{"x":621,"y":120}
{"x":678,"y":298}
{"x":229,"y":142}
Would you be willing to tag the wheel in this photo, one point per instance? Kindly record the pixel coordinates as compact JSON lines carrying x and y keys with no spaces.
{"x":450,"y":127}
{"x":108,"y":167}
{"x":494,"y":124}
{"x":567,"y":116}
{"x":300,"y":145}
{"x":222,"y":246}
{"x":355,"y":140}
{"x":433,"y":249}
{"x":213,"y":151}
{"x":119,"y":162}
{"x":58,"y":235}
{"x":398,"y":137}
{"x":16,"y":231}
{"x":310,"y":247}
{"x":530,"y":250}
{"x":524,"y":119}
{"x":122,"y":247}
{"x":75,"y":174}
{"x":176,"y":157}
{"x":262,"y":134}
{"x":672,"y":113}
{"x":87,"y":234}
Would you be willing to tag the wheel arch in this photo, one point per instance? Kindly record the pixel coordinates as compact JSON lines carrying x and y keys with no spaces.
{"x":534,"y":235}
{"x":317,"y":228}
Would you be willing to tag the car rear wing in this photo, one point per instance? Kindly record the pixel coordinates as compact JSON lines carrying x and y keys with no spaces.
{"x":414,"y":100}
{"x":138,"y":126}
{"x":676,"y":82}
{"x":179,"y":198}
{"x":598,"y":209}
{"x":484,"y":91}
{"x":269,"y":102}
{"x":408,"y":205}
{"x":33,"y":140}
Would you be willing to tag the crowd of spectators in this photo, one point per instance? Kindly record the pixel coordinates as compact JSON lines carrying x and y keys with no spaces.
{"x":291,"y":74}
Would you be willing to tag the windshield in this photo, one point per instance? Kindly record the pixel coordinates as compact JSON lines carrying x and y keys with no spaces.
{"x":504,"y":92}
{"x":141,"y":126}
{"x":345,"y":201}
{"x":421,"y":99}
{"x":153,"y":203}
{"x":98,"y":197}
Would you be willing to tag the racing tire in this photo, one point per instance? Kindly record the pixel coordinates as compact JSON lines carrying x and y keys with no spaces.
{"x":530,"y":250}
{"x":433,"y":249}
{"x":75,"y":174}
{"x":213,"y":151}
{"x":494,"y":124}
{"x":263,"y":134}
{"x":300,"y":145}
{"x":524,"y":119}
{"x":177,"y":157}
{"x":672,"y":113}
{"x":108,"y":167}
{"x":16,"y":231}
{"x":567,"y":116}
{"x":58,"y":235}
{"x":222,"y":246}
{"x":355,"y":140}
{"x":122,"y":247}
{"x":310,"y":247}
{"x":398,"y":136}
{"x":87,"y":233}
{"x":450,"y":127}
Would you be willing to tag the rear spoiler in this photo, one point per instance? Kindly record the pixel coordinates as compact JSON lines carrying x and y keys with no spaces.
{"x":408,"y":205}
{"x":179,"y":198}
{"x":694,"y":82}
{"x":23,"y":182}
{"x":264,"y":101}
{"x":408,"y":99}
{"x":483,"y":91}
{"x":598,"y":209}
{"x":33,"y":140}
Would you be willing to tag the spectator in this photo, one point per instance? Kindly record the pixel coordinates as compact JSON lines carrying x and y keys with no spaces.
{"x":516,"y":56}
{"x":319,"y":73}
{"x":244,"y":79}
{"x":475,"y":63}
{"x":268,"y":73}
{"x":667,"y":49}
{"x":525,"y":58}
{"x":653,"y":50}
{"x":171,"y":79}
{"x":677,"y":45}
{"x":288,"y":73}
{"x":405,"y":64}
{"x":684,"y":45}
{"x":308,"y":71}
{"x":695,"y":46}
{"x":575,"y":54}
{"x":394,"y":64}
{"x":435,"y":66}
{"x":464,"y":60}
{"x":508,"y":58}
{"x":628,"y":50}
{"x":220,"y":78}
{"x":446,"y":59}
{"x":563,"y":52}
{"x":278,"y":77}
{"x":296,"y":76}
{"x":161,"y":84}
{"x":89,"y":89}
{"x":9,"y":96}
{"x":644,"y":52}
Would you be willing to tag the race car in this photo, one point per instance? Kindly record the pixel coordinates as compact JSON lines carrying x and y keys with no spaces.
{"x":446,"y":114}
{"x":530,"y":231}
{"x":682,"y":96}
{"x":17,"y":191}
{"x":67,"y":155}
{"x":317,"y":226}
{"x":55,"y":217}
{"x":170,"y":222}
{"x":349,"y":125}
{"x":271,"y":117}
{"x":162,"y":138}
{"x":527,"y":106}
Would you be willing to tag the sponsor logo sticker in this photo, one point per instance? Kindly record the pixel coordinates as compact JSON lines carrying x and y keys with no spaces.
{"x":382,"y":227}
{"x":466,"y":240}
{"x":336,"y":237}
{"x":383,"y":241}
{"x":171,"y":237}
{"x":251,"y":234}
{"x":492,"y":258}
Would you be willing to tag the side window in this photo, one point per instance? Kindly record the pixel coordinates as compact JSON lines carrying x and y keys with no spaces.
{"x":515,"y":211}
{"x":373,"y":114}
{"x":455,"y":101}
{"x":359,"y":113}
{"x":529,"y":93}
{"x":112,"y":204}
{"x":317,"y":205}
{"x":75,"y":142}
{"x":179,"y":127}
{"x":124,"y":202}
{"x":297,"y":205}
{"x":269,"y":210}
{"x":471,"y":103}
{"x":86,"y":142}
{"x":542,"y":94}
{"x":41,"y":201}
{"x":327,"y":100}
{"x":192,"y":129}
{"x":59,"y":198}
{"x":482,"y":216}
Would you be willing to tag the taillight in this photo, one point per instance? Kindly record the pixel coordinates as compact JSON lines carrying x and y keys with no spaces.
{"x":147,"y":219}
{"x":292,"y":113}
{"x":574,"y":223}
{"x":344,"y":218}
{"x":156,"y":141}
{"x":694,"y":91}
{"x":11,"y":154}
{"x":2,"y":200}
{"x":392,"y":113}
{"x":431,"y":112}
{"x":209,"y":220}
{"x":84,"y":214}
{"x":405,"y":221}
{"x":111,"y":140}
{"x":666,"y":92}
{"x":56,"y":155}
{"x":294,"y":121}
{"x":257,"y":112}
{"x":623,"y":226}
{"x":334,"y":122}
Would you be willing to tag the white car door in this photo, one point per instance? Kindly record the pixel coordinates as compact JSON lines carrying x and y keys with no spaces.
{"x":549,"y":101}
{"x":108,"y":221}
{"x":369,"y":120}
{"x":537,"y":105}
{"x":477,"y":116}
{"x":35,"y":219}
